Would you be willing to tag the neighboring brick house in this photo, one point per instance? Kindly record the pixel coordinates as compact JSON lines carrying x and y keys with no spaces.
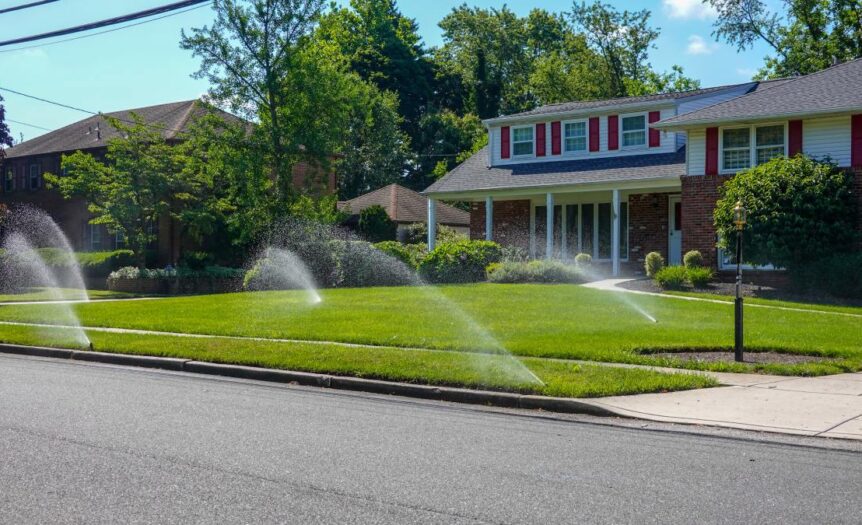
{"x":405,"y":207}
{"x":623,"y":177}
{"x":22,"y":181}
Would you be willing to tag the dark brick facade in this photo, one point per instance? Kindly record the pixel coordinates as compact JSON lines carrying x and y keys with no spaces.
{"x":511,"y":222}
{"x":648,"y":224}
{"x":857,"y":188}
{"x":699,"y":195}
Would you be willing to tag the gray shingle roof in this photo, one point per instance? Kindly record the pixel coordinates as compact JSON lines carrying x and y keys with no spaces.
{"x":475,"y":175}
{"x":832,"y":90}
{"x":174,"y":118}
{"x":406,"y":206}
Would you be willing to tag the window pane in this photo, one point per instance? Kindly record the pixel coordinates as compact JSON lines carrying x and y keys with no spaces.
{"x":576,"y":129}
{"x":737,"y":159}
{"x":605,"y":230}
{"x":634,"y":138}
{"x":770,"y":136}
{"x":587,"y":228}
{"x":634,"y":123}
{"x":523,"y":148}
{"x":521,"y":134}
{"x":576,"y":144}
{"x":736,"y":138}
{"x":767,"y":154}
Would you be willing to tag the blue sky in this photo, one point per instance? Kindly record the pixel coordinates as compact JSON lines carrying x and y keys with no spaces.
{"x":143,"y":65}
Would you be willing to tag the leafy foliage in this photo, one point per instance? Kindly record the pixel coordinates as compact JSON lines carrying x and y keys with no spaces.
{"x":459,"y":262}
{"x":538,"y":271}
{"x":5,"y":135}
{"x":375,"y":224}
{"x":698,"y":276}
{"x":417,"y":233}
{"x":798,"y":210}
{"x":653,"y":263}
{"x":671,"y":277}
{"x":693,"y":259}
{"x":583,"y":259}
{"x":410,"y":254}
{"x":837,"y":275}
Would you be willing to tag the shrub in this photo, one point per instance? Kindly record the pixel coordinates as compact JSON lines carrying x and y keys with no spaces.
{"x":583,"y":259}
{"x":515,"y":254}
{"x":196,"y":260}
{"x":409,"y":254}
{"x":210,"y":272}
{"x":360,"y":264}
{"x":417,"y":233}
{"x":838,"y":275}
{"x":459,"y":262}
{"x":653,"y":264}
{"x":375,"y":224}
{"x":671,"y":277}
{"x":538,"y":271}
{"x":92,"y":264}
{"x":798,"y":209}
{"x":693,"y":259}
{"x":699,"y":277}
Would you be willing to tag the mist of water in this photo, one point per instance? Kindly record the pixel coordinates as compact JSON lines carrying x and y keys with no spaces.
{"x":280,"y":268}
{"x":623,"y":297}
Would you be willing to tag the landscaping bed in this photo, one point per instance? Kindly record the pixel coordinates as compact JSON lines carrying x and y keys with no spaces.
{"x":727,"y":356}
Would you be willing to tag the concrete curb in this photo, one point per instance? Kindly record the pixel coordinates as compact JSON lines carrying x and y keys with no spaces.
{"x":442,"y":393}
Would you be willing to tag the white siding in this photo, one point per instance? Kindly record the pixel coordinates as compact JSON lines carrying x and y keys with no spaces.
{"x":827,"y":137}
{"x":696,"y":152}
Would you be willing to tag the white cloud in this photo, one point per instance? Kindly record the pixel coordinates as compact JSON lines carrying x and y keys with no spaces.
{"x":688,"y":9}
{"x":698,"y":46}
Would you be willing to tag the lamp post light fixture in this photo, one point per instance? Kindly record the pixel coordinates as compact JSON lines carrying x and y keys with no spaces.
{"x":740,"y":215}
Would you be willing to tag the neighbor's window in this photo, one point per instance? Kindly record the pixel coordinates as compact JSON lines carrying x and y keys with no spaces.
{"x":769,"y":143}
{"x":522,"y":141}
{"x":576,"y":136}
{"x":9,"y":180}
{"x":95,"y":231}
{"x":736,"y":149}
{"x":634,"y":131}
{"x":35,"y":180}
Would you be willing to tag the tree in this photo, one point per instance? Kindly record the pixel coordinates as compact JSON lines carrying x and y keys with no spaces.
{"x":140,"y":181}
{"x":443,"y":142}
{"x":807,"y":38}
{"x":799,"y":211}
{"x":5,"y":136}
{"x":246,"y":55}
{"x":375,"y":224}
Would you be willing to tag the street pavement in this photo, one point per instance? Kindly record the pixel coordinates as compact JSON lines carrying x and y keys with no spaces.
{"x":83,"y":442}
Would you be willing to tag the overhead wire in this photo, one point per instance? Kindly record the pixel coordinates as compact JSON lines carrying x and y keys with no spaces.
{"x":26,"y":6}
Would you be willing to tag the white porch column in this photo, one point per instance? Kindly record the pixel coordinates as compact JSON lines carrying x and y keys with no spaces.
{"x":432,"y":224}
{"x":489,"y":218}
{"x":549,"y":226}
{"x":615,"y":234}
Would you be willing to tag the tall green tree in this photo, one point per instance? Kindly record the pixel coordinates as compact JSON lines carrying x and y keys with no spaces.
{"x":5,"y":136}
{"x":806,"y":36}
{"x":445,"y":137}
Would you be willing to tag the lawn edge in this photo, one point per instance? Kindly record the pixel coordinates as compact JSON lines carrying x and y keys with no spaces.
{"x":376,"y":386}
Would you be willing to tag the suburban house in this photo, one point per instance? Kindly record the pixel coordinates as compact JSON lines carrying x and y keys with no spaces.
{"x":620,"y":178}
{"x":405,"y":207}
{"x":25,"y":163}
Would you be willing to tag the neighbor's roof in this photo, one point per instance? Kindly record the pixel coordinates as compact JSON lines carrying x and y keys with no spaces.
{"x":173,"y":118}
{"x":406,"y":206}
{"x":829,"y":91}
{"x":474,"y":174}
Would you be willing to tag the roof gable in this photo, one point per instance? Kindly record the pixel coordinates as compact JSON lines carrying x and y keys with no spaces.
{"x":405,"y":205}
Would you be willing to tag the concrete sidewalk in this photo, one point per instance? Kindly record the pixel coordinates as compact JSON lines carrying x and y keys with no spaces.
{"x":828,"y":406}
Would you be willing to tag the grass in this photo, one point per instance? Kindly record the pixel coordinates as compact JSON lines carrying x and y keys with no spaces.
{"x":43,"y":294}
{"x":856,"y":310}
{"x":551,"y":321}
{"x":489,"y":371}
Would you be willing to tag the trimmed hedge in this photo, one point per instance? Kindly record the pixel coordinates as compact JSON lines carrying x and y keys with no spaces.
{"x":539,"y":271}
{"x":653,"y":263}
{"x":674,"y":277}
{"x":459,"y":262}
{"x":212,"y":279}
{"x":410,"y":254}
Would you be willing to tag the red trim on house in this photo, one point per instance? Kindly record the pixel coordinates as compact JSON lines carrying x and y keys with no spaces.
{"x":654,"y":134}
{"x":794,"y":137}
{"x":504,"y":142}
{"x":712,"y":151}
{"x":540,"y":139}
{"x":556,"y":145}
{"x":594,"y":133}
{"x":856,"y":141}
{"x":613,"y":132}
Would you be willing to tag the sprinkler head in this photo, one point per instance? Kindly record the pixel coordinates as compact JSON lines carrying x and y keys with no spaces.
{"x":90,"y":346}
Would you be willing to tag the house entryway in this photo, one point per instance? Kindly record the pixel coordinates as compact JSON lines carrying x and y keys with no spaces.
{"x":674,"y":230}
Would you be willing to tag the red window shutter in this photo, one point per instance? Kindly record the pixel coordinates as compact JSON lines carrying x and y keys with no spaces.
{"x":613,"y":132}
{"x":794,"y":137}
{"x":712,"y":151}
{"x":594,"y":133}
{"x":654,"y":134}
{"x":856,"y":141}
{"x":504,"y":142}
{"x":540,"y":139}
{"x":556,"y":144}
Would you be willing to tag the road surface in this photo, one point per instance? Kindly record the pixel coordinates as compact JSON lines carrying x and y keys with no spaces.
{"x":93,"y":443}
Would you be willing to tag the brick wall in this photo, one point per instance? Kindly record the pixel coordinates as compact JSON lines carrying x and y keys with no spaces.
{"x":511,"y":222}
{"x":699,"y":195}
{"x":857,"y":188}
{"x":648,"y":224}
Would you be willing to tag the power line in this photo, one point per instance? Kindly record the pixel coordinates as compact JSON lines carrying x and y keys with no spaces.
{"x":101,"y":32}
{"x":28,"y":124}
{"x":107,"y":22}
{"x":25,"y":6}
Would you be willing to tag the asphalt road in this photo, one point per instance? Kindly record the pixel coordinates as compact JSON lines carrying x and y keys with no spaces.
{"x":92,"y":443}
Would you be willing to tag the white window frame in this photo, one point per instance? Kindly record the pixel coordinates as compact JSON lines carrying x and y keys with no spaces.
{"x":35,"y":174}
{"x":532,"y":152}
{"x":752,"y":144}
{"x":621,"y":134}
{"x":586,"y":123}
{"x":724,"y":263}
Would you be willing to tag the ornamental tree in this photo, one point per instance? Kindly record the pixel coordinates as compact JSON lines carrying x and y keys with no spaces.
{"x":799,"y":210}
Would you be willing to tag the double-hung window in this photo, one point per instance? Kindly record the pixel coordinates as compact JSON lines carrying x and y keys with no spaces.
{"x":736,"y":149}
{"x":742,"y":148}
{"x":522,"y":141}
{"x":575,"y":136}
{"x":35,"y":172}
{"x":769,"y":143}
{"x":634,"y":131}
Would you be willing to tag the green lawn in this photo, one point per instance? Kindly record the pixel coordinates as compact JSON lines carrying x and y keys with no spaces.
{"x":42,"y":294}
{"x":560,"y":321}
{"x":855,"y":310}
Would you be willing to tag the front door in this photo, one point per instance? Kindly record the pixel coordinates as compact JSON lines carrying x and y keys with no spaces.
{"x":674,"y":239}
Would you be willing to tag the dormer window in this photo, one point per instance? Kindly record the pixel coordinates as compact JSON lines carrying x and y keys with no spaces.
{"x":634,"y":130}
{"x":575,"y":136}
{"x":522,"y":141}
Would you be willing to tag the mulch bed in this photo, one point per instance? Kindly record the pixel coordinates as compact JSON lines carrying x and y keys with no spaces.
{"x":749,"y":357}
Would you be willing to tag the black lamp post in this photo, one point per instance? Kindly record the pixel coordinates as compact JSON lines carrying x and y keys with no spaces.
{"x":739,"y":219}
